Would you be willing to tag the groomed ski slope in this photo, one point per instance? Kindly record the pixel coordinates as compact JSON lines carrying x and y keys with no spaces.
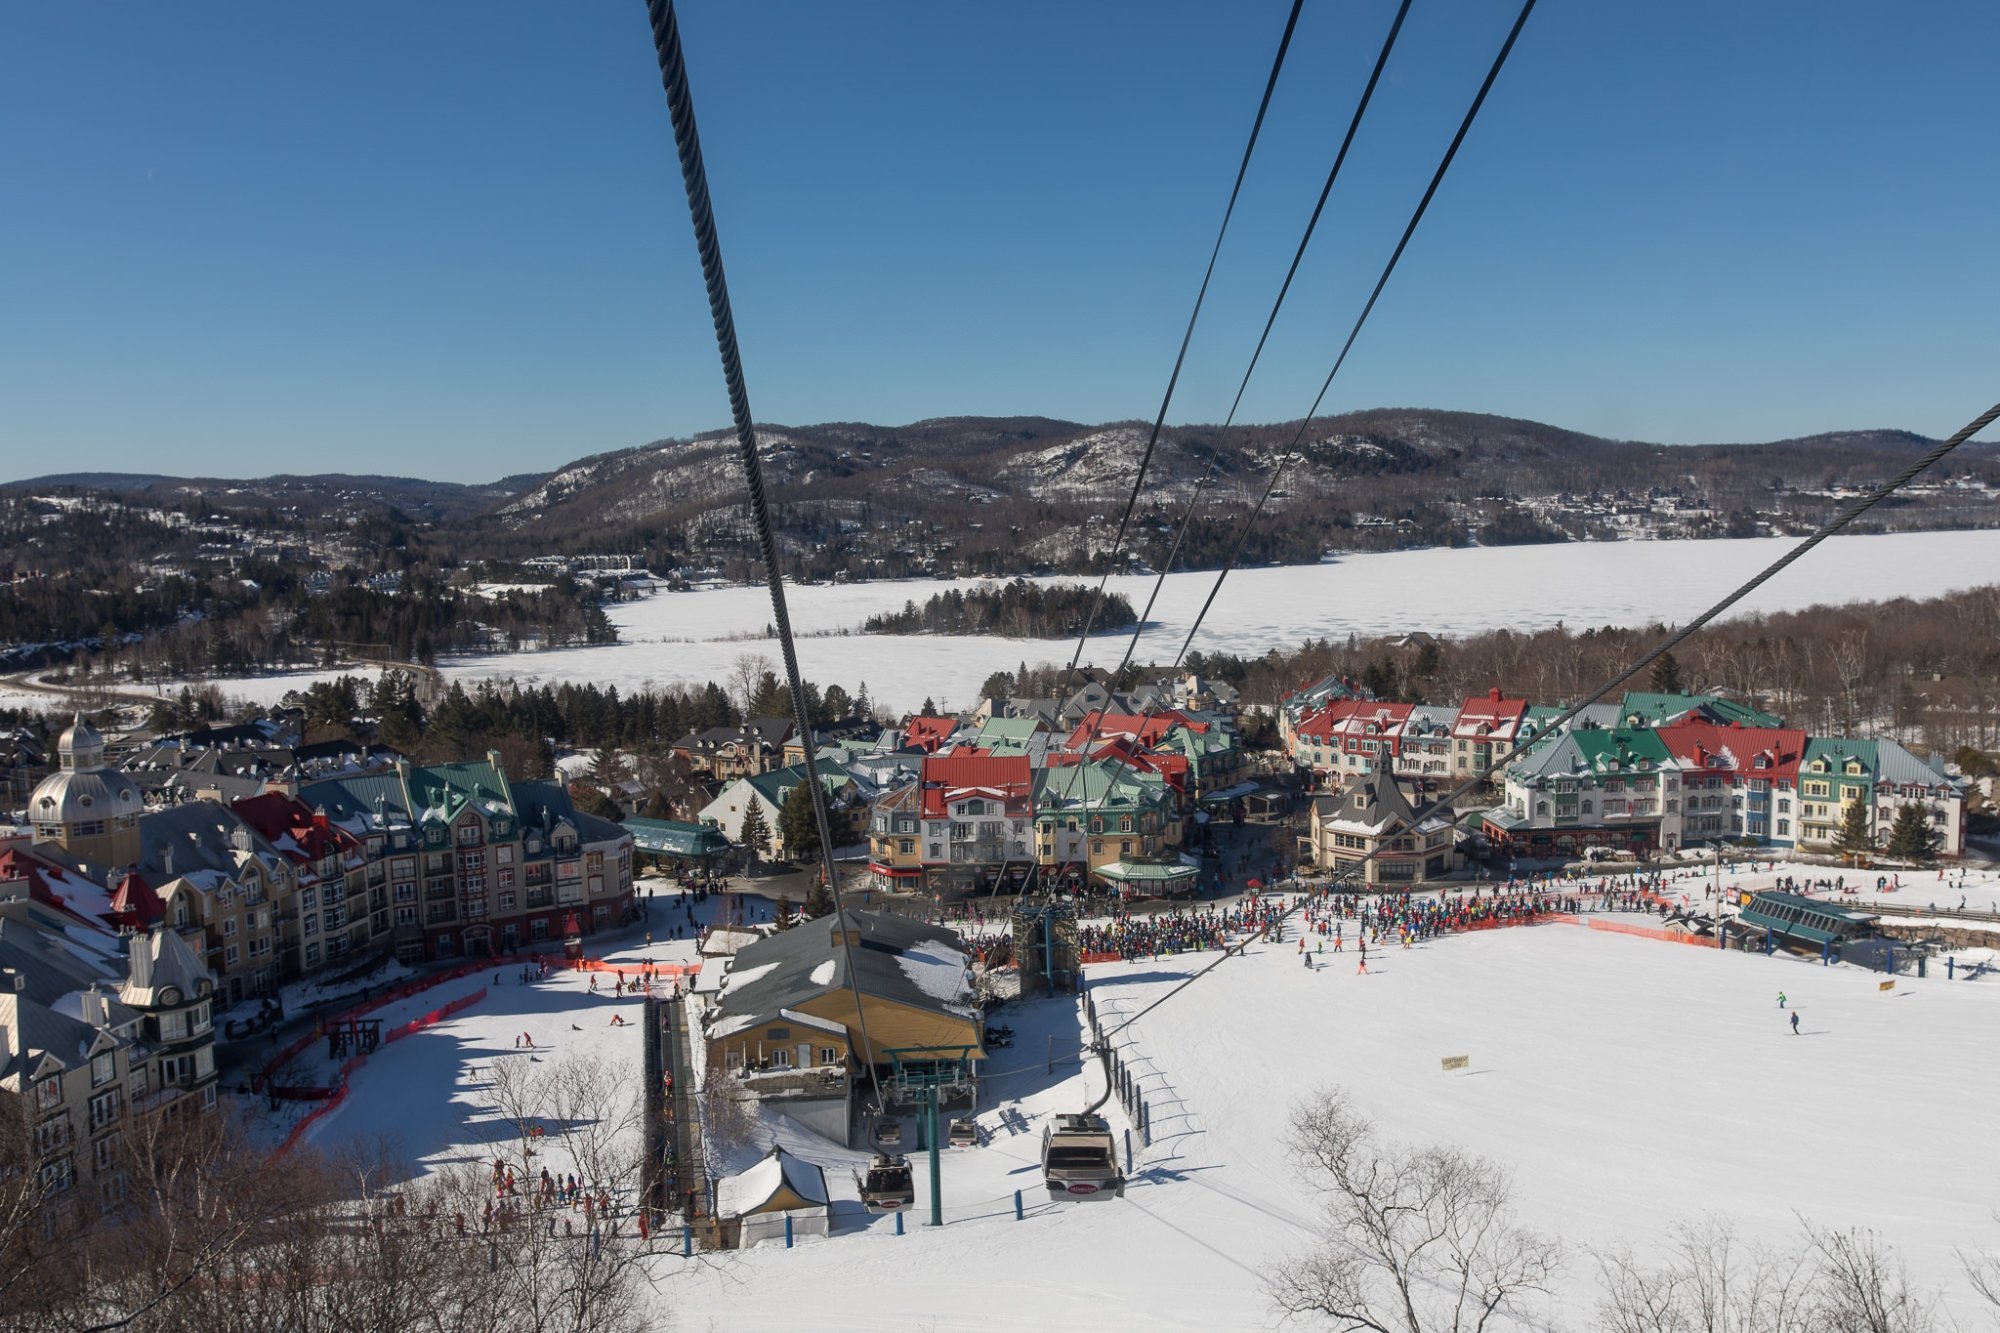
{"x":1628,"y":1083}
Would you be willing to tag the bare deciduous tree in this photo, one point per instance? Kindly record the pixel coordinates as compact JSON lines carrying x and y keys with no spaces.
{"x":1415,"y":1239}
{"x":1708,"y":1282}
{"x":1705,"y":1281}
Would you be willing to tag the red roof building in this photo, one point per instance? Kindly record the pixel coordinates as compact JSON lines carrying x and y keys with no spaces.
{"x":928,"y":734}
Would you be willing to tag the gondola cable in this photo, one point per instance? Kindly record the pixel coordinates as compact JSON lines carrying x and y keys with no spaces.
{"x":1285,"y":458}
{"x":1187,"y":337}
{"x":694,"y":175}
{"x":1284,"y":288}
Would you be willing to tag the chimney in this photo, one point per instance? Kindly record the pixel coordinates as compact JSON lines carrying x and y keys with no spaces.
{"x":16,"y":981}
{"x":1494,"y":694}
{"x":139,"y":961}
{"x":96,"y":1007}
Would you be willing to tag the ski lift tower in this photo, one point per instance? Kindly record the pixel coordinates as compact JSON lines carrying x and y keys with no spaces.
{"x":1045,"y":947}
{"x":931,"y":1071}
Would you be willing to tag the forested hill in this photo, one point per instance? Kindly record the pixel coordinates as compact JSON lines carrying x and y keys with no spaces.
{"x":1034,"y":495}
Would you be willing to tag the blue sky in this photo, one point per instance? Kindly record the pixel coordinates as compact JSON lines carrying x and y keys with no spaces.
{"x":449,"y":240}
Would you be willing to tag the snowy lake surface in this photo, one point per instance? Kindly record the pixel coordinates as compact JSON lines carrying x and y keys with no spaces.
{"x":693,"y":637}
{"x":698,"y":636}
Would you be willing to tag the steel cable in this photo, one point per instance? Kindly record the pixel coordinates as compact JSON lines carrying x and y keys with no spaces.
{"x":1284,"y":459}
{"x":687,"y":140}
{"x":1146,"y":457}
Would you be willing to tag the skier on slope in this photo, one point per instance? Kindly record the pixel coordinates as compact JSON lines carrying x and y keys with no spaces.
{"x":1795,"y":1022}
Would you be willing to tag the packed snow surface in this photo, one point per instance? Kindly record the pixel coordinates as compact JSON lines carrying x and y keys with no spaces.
{"x":1629,"y":1084}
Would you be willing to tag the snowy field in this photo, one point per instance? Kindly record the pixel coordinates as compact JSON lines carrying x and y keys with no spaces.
{"x":434,"y":1097}
{"x":1629,"y":1084}
{"x":692,"y":637}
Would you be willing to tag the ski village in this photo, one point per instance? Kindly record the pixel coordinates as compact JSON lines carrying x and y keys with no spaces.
{"x":1111,"y":989}
{"x":1433,"y":775}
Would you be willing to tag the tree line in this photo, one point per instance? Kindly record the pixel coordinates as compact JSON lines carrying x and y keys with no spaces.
{"x":1917,"y":670}
{"x":1016,"y":609}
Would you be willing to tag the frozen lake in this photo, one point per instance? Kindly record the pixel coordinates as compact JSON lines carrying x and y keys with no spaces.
{"x":698,"y":636}
{"x":692,"y":637}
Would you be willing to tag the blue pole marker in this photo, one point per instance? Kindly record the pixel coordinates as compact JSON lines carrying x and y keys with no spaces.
{"x":1017,"y":1205}
{"x":687,"y":1242}
{"x":899,"y":1224}
{"x":788,"y":1231}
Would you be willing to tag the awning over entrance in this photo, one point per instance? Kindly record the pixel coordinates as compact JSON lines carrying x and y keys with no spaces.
{"x":683,"y":842}
{"x":1146,"y":872}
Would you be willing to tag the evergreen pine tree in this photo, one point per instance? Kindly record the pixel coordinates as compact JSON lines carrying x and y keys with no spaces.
{"x":756,"y":835}
{"x":797,"y":826}
{"x":1855,"y":835}
{"x":1666,"y":676}
{"x":1911,"y":837}
{"x":863,"y":705}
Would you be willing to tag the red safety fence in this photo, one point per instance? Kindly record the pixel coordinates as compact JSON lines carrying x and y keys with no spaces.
{"x":1651,"y":933}
{"x":636,"y":970}
{"x":334,"y":1096}
{"x":404,"y":992}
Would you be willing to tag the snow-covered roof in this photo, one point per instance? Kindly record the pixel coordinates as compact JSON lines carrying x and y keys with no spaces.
{"x":752,"y":1190}
{"x":938,"y":970}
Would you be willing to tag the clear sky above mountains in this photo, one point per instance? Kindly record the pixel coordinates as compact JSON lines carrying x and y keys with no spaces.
{"x":450,"y":240}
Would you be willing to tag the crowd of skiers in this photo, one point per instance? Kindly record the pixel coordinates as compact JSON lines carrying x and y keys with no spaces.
{"x":1180,"y":931}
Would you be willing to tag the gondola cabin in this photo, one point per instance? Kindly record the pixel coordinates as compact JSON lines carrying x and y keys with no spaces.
{"x":888,"y":1187}
{"x":1080,"y":1159}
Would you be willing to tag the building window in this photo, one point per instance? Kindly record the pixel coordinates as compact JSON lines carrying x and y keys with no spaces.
{"x":309,"y":898}
{"x":58,"y":1175}
{"x":312,"y":923}
{"x":506,"y":902}
{"x":829,"y":1055}
{"x":312,"y":955}
{"x":105,"y":1109}
{"x":229,"y":956}
{"x":103,"y":1068}
{"x":49,"y":1093}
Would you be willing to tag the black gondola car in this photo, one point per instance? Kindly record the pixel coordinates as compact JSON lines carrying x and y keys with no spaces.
{"x":888,"y":1187}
